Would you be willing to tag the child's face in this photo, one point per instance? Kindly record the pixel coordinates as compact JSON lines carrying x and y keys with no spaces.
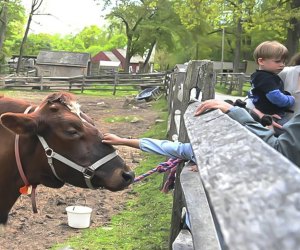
{"x":272,"y":65}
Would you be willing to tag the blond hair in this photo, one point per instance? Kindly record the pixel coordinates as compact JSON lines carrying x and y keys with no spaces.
{"x":270,"y":50}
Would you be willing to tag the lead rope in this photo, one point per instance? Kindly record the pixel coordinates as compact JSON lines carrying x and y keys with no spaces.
{"x":171,"y":165}
{"x":27,"y":189}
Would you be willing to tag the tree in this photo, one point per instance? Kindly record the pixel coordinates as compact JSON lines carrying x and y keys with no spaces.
{"x":36,"y":4}
{"x":12,"y":17}
{"x":148,"y":24}
{"x":132,"y":14}
{"x":3,"y":23}
{"x":246,"y":21}
{"x":293,"y":30}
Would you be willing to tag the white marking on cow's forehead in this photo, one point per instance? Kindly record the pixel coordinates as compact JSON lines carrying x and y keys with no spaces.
{"x":75,"y":108}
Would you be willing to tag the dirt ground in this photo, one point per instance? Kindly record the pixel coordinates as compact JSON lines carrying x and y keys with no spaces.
{"x":28,"y":231}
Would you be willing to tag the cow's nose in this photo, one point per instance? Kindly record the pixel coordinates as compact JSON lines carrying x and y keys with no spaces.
{"x":129,"y":176}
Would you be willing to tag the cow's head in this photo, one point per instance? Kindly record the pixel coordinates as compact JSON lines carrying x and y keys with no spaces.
{"x":70,"y":134}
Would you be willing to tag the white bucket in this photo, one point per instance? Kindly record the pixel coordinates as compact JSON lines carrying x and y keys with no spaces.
{"x":79,"y":216}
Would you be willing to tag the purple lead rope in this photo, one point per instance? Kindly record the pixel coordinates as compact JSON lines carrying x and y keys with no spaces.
{"x":171,"y":165}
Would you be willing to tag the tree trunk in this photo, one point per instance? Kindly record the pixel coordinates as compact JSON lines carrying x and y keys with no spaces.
{"x":128,"y":54}
{"x":23,"y":44}
{"x":237,"y":51}
{"x":3,"y":23}
{"x":34,"y":7}
{"x":142,"y":69}
{"x":293,"y":33}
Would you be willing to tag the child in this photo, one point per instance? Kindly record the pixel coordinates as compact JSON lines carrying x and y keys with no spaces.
{"x":267,"y":93}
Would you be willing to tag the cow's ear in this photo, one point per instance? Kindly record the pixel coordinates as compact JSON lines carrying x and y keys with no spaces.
{"x":19,"y":123}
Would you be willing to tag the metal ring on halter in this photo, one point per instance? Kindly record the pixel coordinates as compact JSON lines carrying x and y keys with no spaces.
{"x":49,"y":152}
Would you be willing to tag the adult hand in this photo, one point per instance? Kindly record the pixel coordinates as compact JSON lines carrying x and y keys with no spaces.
{"x":212,"y":104}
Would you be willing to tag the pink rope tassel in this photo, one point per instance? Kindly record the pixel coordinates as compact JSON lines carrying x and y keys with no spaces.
{"x":171,"y":164}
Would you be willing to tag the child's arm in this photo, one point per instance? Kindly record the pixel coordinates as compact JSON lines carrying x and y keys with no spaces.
{"x":113,"y":139}
{"x":280,"y":99}
{"x":154,"y":146}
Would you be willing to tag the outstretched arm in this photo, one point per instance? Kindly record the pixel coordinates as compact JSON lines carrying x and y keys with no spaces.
{"x":154,"y":146}
{"x":113,"y":139}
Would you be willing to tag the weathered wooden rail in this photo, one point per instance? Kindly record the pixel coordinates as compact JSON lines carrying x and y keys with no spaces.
{"x":106,"y":82}
{"x":245,"y":196}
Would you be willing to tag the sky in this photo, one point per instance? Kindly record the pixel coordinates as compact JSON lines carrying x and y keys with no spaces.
{"x":67,"y":16}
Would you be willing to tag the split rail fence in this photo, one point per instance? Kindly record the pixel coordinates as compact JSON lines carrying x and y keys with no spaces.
{"x":106,"y":82}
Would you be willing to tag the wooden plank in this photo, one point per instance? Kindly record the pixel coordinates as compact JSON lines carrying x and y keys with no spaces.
{"x":253,"y":190}
{"x":198,"y":75}
{"x":183,"y":241}
{"x":202,"y":225}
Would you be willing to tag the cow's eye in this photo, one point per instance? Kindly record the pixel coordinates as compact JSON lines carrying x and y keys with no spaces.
{"x":72,"y":132}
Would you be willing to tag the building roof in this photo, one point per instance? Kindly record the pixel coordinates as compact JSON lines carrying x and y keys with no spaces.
{"x":134,"y":59}
{"x":180,"y":67}
{"x":111,"y":56}
{"x":63,"y":58}
{"x":109,"y":64}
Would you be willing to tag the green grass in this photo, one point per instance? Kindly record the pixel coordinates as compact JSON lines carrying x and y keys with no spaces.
{"x":122,"y":119}
{"x":223,"y":90}
{"x":145,"y":222}
{"x":108,"y":90}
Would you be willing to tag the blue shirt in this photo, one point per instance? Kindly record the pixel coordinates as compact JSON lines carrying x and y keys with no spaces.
{"x":267,"y":93}
{"x":168,"y":148}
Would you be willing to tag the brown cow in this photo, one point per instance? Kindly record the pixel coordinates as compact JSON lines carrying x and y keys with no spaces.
{"x":54,"y":143}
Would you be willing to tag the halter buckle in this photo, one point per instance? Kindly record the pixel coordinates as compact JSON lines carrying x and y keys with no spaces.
{"x":88,"y":173}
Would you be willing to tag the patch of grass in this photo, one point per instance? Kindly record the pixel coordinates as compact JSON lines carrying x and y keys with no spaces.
{"x":122,"y":119}
{"x":108,"y":90}
{"x":104,"y":92}
{"x":223,"y":90}
{"x":160,"y":129}
{"x":145,"y":222}
{"x":18,"y":93}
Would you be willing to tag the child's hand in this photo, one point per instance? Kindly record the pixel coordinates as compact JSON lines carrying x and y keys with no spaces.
{"x":274,"y":123}
{"x":194,"y":168}
{"x":112,"y":139}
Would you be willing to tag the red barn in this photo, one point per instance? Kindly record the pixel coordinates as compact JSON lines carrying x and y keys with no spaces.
{"x":135,"y":61}
{"x":116,"y":55}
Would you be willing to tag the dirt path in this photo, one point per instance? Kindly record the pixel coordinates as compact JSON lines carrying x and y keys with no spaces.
{"x":28,"y":231}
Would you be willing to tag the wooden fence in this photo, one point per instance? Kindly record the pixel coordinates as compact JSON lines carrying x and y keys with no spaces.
{"x":245,"y":196}
{"x":108,"y":82}
{"x":233,"y":81}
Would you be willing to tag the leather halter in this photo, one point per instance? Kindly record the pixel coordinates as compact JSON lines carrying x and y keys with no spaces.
{"x":88,"y":172}
{"x":21,"y":171}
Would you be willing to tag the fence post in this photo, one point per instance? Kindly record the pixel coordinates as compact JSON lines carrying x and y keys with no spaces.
{"x":241,"y":81}
{"x":199,"y":75}
{"x":42,"y":82}
{"x":116,"y":80}
{"x":82,"y":84}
